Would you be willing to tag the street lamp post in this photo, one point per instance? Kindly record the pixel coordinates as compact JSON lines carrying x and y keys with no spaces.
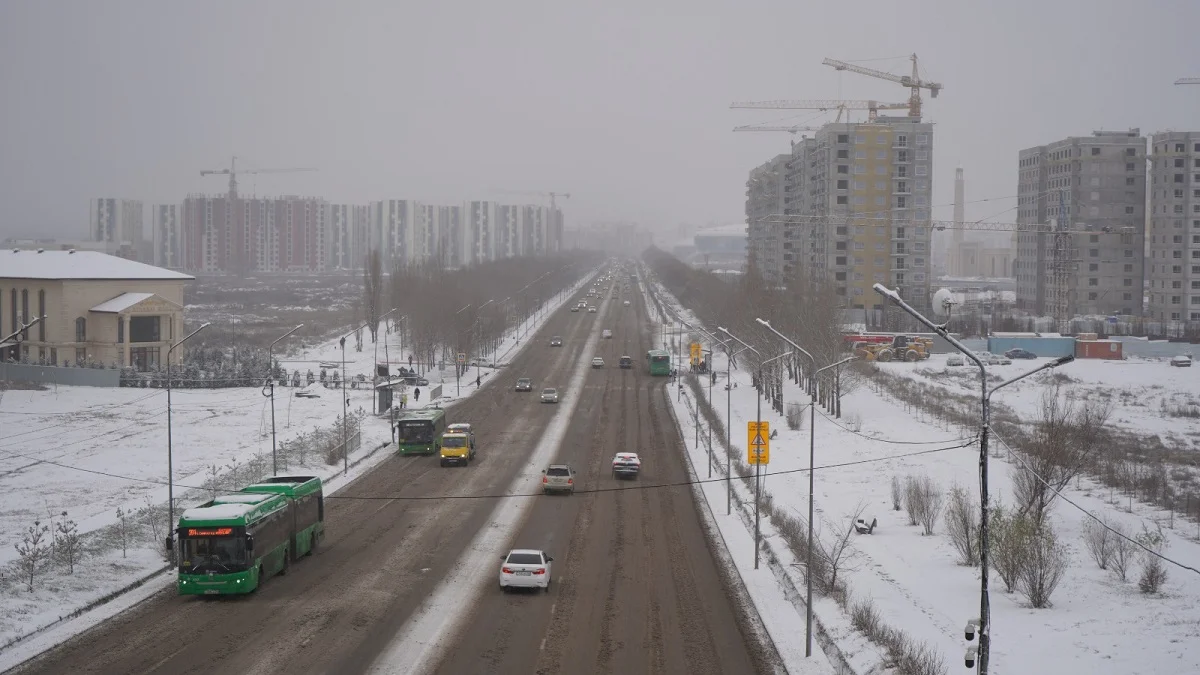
{"x":458,"y":366}
{"x":758,"y":464}
{"x":271,"y":384}
{"x":985,"y":638}
{"x":346,"y":402}
{"x":170,"y":449}
{"x":729,"y":425}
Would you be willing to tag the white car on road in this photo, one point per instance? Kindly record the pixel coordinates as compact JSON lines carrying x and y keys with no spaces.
{"x":525,"y":568}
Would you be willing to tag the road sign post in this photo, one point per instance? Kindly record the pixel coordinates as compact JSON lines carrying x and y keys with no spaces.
{"x":459,"y":359}
{"x":758,"y":451}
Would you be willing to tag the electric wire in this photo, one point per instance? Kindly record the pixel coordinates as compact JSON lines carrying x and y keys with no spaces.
{"x":1017,"y":455}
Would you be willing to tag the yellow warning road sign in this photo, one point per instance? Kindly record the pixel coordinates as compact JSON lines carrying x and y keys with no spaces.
{"x":758,"y":443}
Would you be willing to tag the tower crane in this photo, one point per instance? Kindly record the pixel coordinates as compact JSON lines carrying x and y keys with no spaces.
{"x":790,"y":130}
{"x":913,"y":82}
{"x":1188,"y":80}
{"x":551,"y":195}
{"x":872,"y":107}
{"x":233,"y":172}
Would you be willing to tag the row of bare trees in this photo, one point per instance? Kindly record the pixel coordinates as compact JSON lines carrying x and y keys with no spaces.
{"x":441,"y":311}
{"x":806,"y":310}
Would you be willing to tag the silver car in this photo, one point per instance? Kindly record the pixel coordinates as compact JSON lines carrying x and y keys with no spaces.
{"x":558,"y":478}
{"x":549,"y":395}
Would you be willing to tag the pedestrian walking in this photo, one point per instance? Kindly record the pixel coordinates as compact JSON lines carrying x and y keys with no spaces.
{"x":417,"y":395}
{"x":410,"y":360}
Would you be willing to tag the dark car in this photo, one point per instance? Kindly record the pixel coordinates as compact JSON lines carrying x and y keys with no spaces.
{"x":626,"y":362}
{"x":524,"y":384}
{"x":1019,"y":353}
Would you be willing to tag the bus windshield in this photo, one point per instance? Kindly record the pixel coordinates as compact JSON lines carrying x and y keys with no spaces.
{"x":454,"y":442}
{"x":416,"y":432}
{"x":212,"y":554}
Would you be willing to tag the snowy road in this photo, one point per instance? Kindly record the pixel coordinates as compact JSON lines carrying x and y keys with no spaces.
{"x":636,"y":588}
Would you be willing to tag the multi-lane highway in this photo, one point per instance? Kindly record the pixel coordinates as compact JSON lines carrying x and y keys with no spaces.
{"x":635,"y":589}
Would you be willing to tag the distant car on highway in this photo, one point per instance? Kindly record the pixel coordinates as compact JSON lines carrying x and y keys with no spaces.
{"x":575,"y":308}
{"x":626,"y":362}
{"x":524,"y":384}
{"x":591,"y":309}
{"x":1018,"y":353}
{"x":626,"y":303}
{"x":549,"y":395}
{"x":626,"y":465}
{"x":606,"y":334}
{"x":597,"y":362}
{"x":556,"y":341}
{"x":525,"y":568}
{"x":558,"y":478}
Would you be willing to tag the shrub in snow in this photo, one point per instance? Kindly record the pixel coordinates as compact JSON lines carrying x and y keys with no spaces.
{"x":1099,"y":541}
{"x":1154,"y":572}
{"x":66,"y":542}
{"x":897,"y":494}
{"x":1123,"y":551}
{"x":154,"y":516}
{"x":1043,"y":562}
{"x":795,"y":416}
{"x":865,"y":618}
{"x":962,"y":526}
{"x":853,"y":422}
{"x":923,"y":499}
{"x":33,"y":551}
{"x":1007,"y":543}
{"x":123,"y":530}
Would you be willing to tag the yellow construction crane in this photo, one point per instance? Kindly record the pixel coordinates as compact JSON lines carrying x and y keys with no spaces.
{"x":872,"y":107}
{"x":233,"y":172}
{"x":790,"y":130}
{"x":1188,"y":80}
{"x":914,"y":82}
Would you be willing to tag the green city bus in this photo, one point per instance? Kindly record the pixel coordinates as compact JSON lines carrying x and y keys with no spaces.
{"x":419,"y":432}
{"x":659,"y":362}
{"x":235,"y":542}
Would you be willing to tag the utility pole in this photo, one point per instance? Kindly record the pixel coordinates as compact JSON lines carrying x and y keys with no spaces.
{"x":271,"y":384}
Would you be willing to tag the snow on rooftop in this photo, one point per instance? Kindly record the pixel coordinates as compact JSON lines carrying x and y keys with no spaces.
{"x":243,"y":499}
{"x":122,"y":302}
{"x":79,"y":265}
{"x":218,"y":512}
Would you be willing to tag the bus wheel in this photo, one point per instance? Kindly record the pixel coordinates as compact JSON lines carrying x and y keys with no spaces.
{"x":261,"y":579}
{"x":286,"y":562}
{"x":312,"y":544}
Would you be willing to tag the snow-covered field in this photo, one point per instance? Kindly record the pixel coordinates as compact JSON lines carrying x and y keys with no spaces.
{"x":1096,"y":624}
{"x":90,"y":451}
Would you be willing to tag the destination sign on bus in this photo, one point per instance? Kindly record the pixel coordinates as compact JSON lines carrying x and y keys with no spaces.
{"x":213,"y":532}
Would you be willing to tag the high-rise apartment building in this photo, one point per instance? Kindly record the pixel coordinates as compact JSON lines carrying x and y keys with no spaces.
{"x":766,"y":189}
{"x":349,"y":225}
{"x":1093,"y":188}
{"x":166,"y":234}
{"x":864,"y":195}
{"x":480,"y":232}
{"x":1173,"y":269}
{"x":284,"y":234}
{"x":120,"y":223}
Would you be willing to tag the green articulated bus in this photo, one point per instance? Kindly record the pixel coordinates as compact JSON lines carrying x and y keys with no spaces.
{"x":419,"y":432}
{"x":234,"y":543}
{"x":659,"y":362}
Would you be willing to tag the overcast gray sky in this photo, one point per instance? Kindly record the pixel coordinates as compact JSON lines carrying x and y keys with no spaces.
{"x":622,"y":103}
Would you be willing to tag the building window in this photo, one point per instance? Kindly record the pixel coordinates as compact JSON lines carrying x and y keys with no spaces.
{"x":1093,"y":267}
{"x":1093,"y":282}
{"x":859,"y":138}
{"x":842,"y":199}
{"x":1127,"y":282}
{"x":1095,"y":153}
{"x":843,"y":184}
{"x":81,"y":329}
{"x":860,"y":154}
{"x":922,"y":139}
{"x":1093,"y":295}
{"x":120,"y":330}
{"x":843,"y":154}
{"x":843,"y":138}
{"x":922,"y":170}
{"x":144,"y":358}
{"x":145,"y":329}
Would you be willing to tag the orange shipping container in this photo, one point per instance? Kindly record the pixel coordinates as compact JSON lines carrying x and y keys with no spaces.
{"x":1098,"y":349}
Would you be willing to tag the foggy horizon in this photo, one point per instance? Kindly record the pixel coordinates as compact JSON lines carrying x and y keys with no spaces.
{"x":623,"y":106}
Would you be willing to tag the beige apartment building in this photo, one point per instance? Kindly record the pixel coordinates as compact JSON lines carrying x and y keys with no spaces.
{"x":98,"y":308}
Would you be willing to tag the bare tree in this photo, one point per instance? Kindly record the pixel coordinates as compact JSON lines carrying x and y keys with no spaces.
{"x":1043,"y":562}
{"x":1100,"y":541}
{"x":373,"y":291}
{"x":1065,"y":443}
{"x":898,"y":494}
{"x":923,"y":499}
{"x":962,"y":526}
{"x":1154,"y":572}
{"x":1123,"y":552}
{"x":838,"y":552}
{"x":66,"y":541}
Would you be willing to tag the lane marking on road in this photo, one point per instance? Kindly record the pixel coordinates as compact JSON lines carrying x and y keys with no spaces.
{"x":423,"y":640}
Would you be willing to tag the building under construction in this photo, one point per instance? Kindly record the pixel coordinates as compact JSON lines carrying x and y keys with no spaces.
{"x":1092,"y":189}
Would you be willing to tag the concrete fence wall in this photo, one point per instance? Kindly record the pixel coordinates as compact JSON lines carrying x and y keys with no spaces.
{"x":85,"y":377}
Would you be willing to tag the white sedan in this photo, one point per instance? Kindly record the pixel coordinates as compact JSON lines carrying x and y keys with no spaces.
{"x":525,"y":568}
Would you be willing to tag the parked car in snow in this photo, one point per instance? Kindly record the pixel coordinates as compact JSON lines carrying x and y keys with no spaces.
{"x":1182,"y":361}
{"x":1018,"y":353}
{"x":955,"y":360}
